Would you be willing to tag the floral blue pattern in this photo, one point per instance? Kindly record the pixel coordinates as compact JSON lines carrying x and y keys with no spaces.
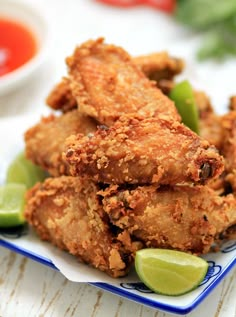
{"x":139,"y":286}
{"x":14,"y":232}
{"x":229,"y":247}
{"x":213,"y":271}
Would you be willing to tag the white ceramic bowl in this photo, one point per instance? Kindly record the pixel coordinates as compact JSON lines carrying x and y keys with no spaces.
{"x":33,"y":18}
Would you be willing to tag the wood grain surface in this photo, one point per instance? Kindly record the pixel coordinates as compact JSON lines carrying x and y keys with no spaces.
{"x":30,"y":289}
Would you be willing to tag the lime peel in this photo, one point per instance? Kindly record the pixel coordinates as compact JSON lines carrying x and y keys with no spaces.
{"x":24,"y":171}
{"x":12,"y":202}
{"x":183,"y":96}
{"x":170,"y":272}
{"x":21,"y":175}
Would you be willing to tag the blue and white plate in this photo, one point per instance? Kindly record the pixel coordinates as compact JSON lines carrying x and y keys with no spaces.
{"x":25,"y":242}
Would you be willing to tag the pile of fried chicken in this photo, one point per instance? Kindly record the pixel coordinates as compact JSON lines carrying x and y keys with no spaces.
{"x":125,"y":173}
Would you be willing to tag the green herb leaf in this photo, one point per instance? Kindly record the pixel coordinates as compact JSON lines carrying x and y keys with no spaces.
{"x":200,"y":14}
{"x":218,"y":21}
{"x":219,"y":42}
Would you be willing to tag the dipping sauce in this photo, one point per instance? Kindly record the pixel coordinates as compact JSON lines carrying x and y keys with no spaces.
{"x":17,"y":45}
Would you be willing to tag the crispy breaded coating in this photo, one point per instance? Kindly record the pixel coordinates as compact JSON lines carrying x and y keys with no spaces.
{"x":141,"y":150}
{"x":211,"y":130}
{"x":232,"y":103}
{"x":125,"y":173}
{"x":157,"y":66}
{"x":44,"y":142}
{"x":228,"y":148}
{"x":107,"y":84}
{"x":66,"y":211}
{"x":186,"y":218}
{"x":210,"y":127}
{"x":203,"y":103}
{"x":61,"y":98}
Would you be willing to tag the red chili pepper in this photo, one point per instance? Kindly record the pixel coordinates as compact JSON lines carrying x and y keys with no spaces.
{"x":122,"y":3}
{"x":165,"y":5}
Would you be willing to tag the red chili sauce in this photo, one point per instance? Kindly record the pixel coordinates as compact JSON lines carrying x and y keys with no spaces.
{"x":17,"y":45}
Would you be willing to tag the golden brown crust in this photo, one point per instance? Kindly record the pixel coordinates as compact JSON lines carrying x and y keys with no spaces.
{"x":210,"y":127}
{"x":180,"y":217}
{"x":232,"y":103}
{"x":141,"y":146}
{"x":159,"y":66}
{"x":44,"y":142}
{"x":61,"y":98}
{"x":143,"y":150}
{"x":228,"y":149}
{"x":107,"y":84}
{"x":203,"y":104}
{"x":66,"y":211}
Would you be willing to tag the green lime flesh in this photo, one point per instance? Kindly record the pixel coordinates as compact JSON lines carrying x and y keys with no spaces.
{"x":170,"y":272}
{"x":25,"y":172}
{"x":12,"y":202}
{"x":183,"y":96}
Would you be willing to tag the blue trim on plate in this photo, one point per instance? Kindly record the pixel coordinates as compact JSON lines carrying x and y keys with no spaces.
{"x":168,"y":308}
{"x":123,"y":293}
{"x":28,"y":254}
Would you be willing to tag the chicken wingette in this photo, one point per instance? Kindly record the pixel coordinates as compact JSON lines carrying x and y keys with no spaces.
{"x":160,"y":67}
{"x":44,"y":142}
{"x":186,"y":218}
{"x":67,"y":212}
{"x":139,"y":150}
{"x":106,"y":84}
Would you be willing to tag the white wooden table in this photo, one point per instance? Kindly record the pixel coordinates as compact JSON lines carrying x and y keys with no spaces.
{"x":30,"y":289}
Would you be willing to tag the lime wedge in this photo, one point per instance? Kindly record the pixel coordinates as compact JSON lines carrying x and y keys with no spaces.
{"x":170,"y":272}
{"x":183,"y":96}
{"x":25,"y":172}
{"x":12,"y":203}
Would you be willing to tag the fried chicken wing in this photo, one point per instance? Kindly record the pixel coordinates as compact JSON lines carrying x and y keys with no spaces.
{"x":232,"y":103}
{"x":187,"y":218}
{"x":143,"y":150}
{"x":229,"y":140}
{"x":160,"y":67}
{"x":228,"y":148}
{"x":61,"y":98}
{"x":66,"y":211}
{"x":107,"y":84}
{"x":210,"y":127}
{"x":125,"y":173}
{"x":44,"y":142}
